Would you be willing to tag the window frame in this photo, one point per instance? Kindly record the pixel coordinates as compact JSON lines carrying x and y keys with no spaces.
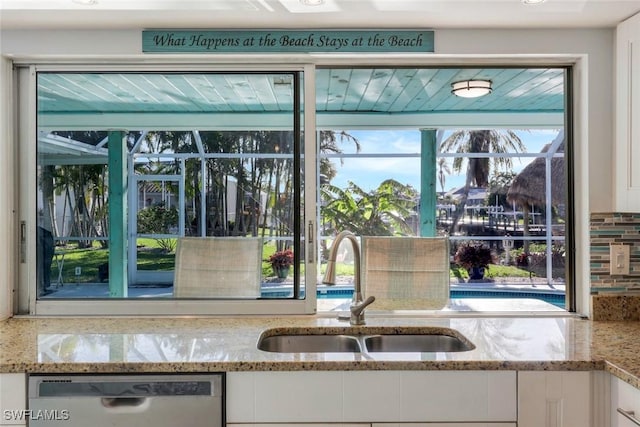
{"x":27,"y":301}
{"x":25,"y":76}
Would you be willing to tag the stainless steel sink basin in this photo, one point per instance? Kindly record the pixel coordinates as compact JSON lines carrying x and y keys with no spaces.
{"x":364,"y":340}
{"x":422,"y":343}
{"x":309,"y":344}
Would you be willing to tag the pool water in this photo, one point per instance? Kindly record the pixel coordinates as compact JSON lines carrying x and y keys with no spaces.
{"x":556,"y":299}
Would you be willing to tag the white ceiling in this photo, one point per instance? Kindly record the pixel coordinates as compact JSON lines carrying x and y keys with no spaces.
{"x":122,"y":14}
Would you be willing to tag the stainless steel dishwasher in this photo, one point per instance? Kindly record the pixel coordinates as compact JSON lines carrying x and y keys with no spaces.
{"x":126,"y":400}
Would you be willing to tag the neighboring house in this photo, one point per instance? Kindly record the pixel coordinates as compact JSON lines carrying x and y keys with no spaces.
{"x":153,"y":193}
{"x":477,"y":195}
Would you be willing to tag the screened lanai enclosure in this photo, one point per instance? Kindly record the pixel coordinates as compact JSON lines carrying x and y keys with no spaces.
{"x":136,"y":169}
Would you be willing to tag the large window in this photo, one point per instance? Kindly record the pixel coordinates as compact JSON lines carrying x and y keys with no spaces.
{"x":429,"y":165}
{"x":215,"y":187}
{"x":500,"y":194}
{"x":208,"y":209}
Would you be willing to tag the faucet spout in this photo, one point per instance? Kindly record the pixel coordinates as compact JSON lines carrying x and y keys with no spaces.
{"x":358,"y":304}
{"x":330,"y":274}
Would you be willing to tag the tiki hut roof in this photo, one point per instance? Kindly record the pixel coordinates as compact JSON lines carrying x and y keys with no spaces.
{"x":528,"y":187}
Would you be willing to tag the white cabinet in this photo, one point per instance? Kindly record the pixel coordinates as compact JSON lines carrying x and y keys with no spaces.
{"x":627,"y":112}
{"x":372,"y":397}
{"x":626,"y":398}
{"x":444,"y":425}
{"x":13,"y":399}
{"x":376,"y":425}
{"x":554,"y":399}
{"x":301,"y":425}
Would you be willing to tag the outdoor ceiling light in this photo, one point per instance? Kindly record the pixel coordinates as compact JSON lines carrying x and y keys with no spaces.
{"x":471,"y":88}
{"x":312,"y":2}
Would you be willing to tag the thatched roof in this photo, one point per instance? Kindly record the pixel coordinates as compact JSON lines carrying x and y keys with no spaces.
{"x":528,"y":187}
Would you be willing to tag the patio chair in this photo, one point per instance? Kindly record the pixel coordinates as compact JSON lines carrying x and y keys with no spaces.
{"x":210,"y":267}
{"x":406,"y":272}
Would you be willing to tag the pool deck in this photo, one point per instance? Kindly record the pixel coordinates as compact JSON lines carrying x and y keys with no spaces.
{"x":341,"y":303}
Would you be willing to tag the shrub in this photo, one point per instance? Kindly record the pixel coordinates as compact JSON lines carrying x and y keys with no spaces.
{"x":159,"y":219}
{"x":281,"y":259}
{"x":473,"y":254}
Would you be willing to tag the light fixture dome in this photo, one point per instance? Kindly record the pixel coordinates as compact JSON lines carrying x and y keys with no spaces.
{"x":471,"y":88}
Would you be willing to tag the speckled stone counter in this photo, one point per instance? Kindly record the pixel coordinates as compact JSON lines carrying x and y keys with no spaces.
{"x":615,"y":307}
{"x":80,"y":345}
{"x":66,"y":345}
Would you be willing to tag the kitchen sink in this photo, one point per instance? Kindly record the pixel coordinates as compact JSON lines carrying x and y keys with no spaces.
{"x":309,"y":344}
{"x":364,"y":340}
{"x":423,"y":343}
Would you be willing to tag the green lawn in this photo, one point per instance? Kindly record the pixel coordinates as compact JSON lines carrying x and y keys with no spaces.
{"x":152,"y":258}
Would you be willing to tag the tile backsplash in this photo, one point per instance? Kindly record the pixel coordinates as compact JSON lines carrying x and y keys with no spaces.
{"x":617,"y":228}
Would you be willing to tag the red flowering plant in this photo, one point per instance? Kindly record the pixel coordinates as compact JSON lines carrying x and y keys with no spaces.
{"x":281,"y":259}
{"x":473,"y":254}
{"x":522,"y":260}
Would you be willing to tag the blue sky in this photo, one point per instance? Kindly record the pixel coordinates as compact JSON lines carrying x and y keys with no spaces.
{"x":368,"y":173}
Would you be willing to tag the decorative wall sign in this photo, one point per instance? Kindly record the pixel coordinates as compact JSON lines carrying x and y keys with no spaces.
{"x":293,"y":41}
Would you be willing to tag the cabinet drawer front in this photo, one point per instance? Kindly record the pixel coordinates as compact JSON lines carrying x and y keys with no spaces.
{"x":284,"y":397}
{"x":627,"y":398}
{"x":304,"y":425}
{"x":443,"y":425}
{"x":626,"y":418}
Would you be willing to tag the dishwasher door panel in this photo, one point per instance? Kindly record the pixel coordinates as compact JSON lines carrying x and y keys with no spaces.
{"x":123,"y":401}
{"x":176,"y":411}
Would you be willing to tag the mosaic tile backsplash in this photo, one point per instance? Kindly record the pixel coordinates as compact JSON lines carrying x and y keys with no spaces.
{"x":617,"y":228}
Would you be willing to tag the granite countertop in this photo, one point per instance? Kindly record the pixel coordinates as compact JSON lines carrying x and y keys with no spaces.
{"x":121,"y":344}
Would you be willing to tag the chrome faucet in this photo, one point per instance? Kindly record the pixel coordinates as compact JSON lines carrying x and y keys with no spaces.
{"x":358,"y":304}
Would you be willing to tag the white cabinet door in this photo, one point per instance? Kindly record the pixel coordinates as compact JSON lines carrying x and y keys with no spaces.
{"x":302,"y":425}
{"x":554,"y":399}
{"x":627,"y":139}
{"x":443,"y":425}
{"x":626,"y":398}
{"x":455,"y":396}
{"x":371,"y":396}
{"x":376,"y":425}
{"x":284,"y":397}
{"x":13,"y":399}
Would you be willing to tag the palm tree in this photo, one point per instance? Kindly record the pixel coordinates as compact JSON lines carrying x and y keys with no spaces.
{"x":85,"y":192}
{"x":443,"y":171}
{"x":478,"y":168}
{"x":382,"y":212}
{"x":329,"y":141}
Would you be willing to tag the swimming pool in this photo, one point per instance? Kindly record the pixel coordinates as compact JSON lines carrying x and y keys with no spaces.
{"x":555,"y":298}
